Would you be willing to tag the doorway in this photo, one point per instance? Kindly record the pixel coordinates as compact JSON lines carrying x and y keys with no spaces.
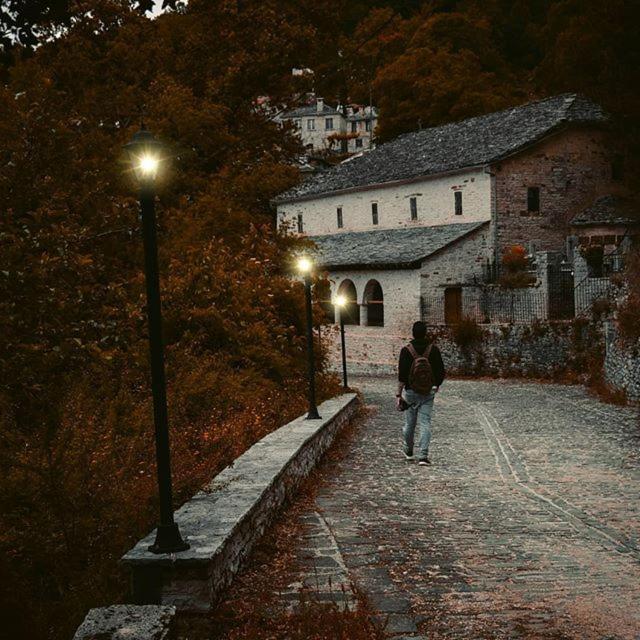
{"x":452,"y":305}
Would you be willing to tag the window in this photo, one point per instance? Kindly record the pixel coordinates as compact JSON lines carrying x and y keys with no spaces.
{"x":358,"y":143}
{"x":457,"y":195}
{"x":374,"y":212}
{"x":533,"y":199}
{"x":413,"y":205}
{"x":354,"y":127}
{"x":311,"y":125}
{"x":300,"y":224}
{"x":367,"y":125}
{"x":298,"y":124}
{"x":373,"y":301}
{"x":328,"y":124}
{"x":340,"y":220}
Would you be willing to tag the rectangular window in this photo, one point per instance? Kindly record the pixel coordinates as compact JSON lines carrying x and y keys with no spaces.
{"x":328,"y":124}
{"x":311,"y":125}
{"x":374,"y":212}
{"x":340,"y":220}
{"x":359,"y":143}
{"x":533,"y":199}
{"x":457,"y":195}
{"x":413,"y":205}
{"x":367,"y":125}
{"x":299,"y":124}
{"x":354,"y":127}
{"x":300,"y":224}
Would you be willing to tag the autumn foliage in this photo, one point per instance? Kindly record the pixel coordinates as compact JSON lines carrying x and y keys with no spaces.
{"x":77,"y":486}
{"x":76,"y":432}
{"x":515,"y":265}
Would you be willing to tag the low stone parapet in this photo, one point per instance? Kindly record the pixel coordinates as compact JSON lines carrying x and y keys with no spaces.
{"x":128,"y":622}
{"x":224,"y":521}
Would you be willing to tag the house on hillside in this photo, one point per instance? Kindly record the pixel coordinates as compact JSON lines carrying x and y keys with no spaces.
{"x":324,"y":128}
{"x":421,"y":217}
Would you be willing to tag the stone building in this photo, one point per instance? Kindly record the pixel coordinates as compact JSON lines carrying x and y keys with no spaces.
{"x":324,"y":128}
{"x":421,"y":217}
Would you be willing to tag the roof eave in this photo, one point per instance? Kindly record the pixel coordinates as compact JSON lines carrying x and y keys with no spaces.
{"x":378,"y":185}
{"x":381,"y":185}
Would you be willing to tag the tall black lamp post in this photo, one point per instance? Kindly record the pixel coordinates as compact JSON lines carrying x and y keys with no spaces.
{"x":305,"y":266}
{"x":145,"y":157}
{"x":341,"y":304}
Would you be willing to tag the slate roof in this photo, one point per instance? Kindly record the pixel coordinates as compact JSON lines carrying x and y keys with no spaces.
{"x":608,"y":210}
{"x":473,"y":142}
{"x":310,"y":110}
{"x":388,"y":248}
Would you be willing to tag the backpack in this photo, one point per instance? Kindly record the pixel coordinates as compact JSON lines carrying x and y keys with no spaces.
{"x":420,"y":374}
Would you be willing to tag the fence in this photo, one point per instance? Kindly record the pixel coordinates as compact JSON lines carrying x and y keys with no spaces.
{"x":516,"y":306}
{"x":590,"y":290}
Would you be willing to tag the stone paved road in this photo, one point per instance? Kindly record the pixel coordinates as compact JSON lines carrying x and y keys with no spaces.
{"x":526,"y":526}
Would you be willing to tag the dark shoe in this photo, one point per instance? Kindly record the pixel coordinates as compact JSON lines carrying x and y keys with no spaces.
{"x":408,"y":456}
{"x":424,"y":462}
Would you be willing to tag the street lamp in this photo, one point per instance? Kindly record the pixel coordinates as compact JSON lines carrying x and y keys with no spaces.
{"x":341,"y":303}
{"x":305,"y":267}
{"x":145,"y":157}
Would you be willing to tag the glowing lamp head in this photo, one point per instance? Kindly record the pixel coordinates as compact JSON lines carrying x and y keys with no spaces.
{"x":304,"y":265}
{"x":145,"y":153}
{"x":148,"y":166}
{"x":340,"y":301}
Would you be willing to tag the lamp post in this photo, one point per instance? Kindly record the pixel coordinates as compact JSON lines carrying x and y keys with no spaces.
{"x":341,"y":303}
{"x":305,"y":266}
{"x":145,"y":156}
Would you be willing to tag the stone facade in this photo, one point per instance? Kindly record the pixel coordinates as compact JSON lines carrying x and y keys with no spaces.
{"x":318,"y":123}
{"x":376,"y":348}
{"x":570,"y":169}
{"x":435,"y":202}
{"x":622,"y":364}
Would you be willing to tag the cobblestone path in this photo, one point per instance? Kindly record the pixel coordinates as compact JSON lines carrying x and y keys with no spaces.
{"x":526,"y":526}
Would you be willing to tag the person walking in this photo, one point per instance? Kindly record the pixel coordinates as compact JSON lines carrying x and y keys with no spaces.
{"x":420,"y":374}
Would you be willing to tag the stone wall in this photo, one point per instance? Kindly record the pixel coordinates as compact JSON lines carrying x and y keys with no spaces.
{"x":435,"y":201}
{"x":224,"y":521}
{"x":543,"y":350}
{"x":540,"y":350}
{"x":622,"y":364}
{"x":571,"y":168}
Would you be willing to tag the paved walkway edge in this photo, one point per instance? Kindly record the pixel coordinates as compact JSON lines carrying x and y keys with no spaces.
{"x":223,"y":522}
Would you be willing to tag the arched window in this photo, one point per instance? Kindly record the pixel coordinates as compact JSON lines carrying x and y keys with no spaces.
{"x":373,"y":299}
{"x":351,"y":310}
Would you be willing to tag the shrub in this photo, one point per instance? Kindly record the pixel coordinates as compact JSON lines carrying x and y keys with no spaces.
{"x":467,"y":333}
{"x":515,"y":263}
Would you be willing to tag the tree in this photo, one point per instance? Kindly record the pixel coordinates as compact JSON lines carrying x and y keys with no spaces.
{"x":75,"y":421}
{"x":451,"y":69}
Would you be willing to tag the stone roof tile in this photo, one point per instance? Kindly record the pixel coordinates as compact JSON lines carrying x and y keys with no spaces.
{"x":390,"y":248}
{"x":605,"y":210}
{"x":472,"y":142}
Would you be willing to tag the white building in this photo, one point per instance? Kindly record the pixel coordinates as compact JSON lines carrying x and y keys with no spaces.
{"x":407,"y":230}
{"x":323,"y":128}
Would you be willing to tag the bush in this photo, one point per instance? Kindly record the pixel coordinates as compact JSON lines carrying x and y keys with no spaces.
{"x":467,"y":333}
{"x":515,"y":263}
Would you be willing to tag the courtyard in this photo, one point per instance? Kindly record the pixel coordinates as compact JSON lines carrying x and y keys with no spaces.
{"x":525,"y":526}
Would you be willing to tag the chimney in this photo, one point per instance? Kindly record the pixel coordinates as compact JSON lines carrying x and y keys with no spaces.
{"x":320,"y":105}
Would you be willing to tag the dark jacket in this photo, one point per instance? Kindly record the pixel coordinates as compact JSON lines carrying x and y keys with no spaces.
{"x":406,"y":360}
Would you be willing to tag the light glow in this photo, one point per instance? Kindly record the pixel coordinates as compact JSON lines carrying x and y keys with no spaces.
{"x":340,"y":301}
{"x":304,"y":265}
{"x":148,"y":165}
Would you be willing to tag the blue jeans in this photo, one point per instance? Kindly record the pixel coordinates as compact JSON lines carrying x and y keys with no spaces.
{"x":419,"y":413}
